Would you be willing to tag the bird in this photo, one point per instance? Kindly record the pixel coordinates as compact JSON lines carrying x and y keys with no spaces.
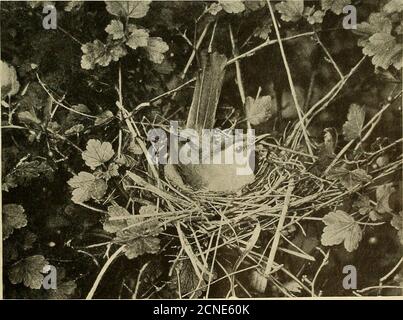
{"x":224,"y":176}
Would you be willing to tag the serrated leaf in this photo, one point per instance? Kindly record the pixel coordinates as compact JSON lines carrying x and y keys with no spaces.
{"x":128,"y":9}
{"x":138,"y":233}
{"x":349,"y":178}
{"x":118,"y":51}
{"x":377,"y":22}
{"x":94,"y":53}
{"x":355,"y":121}
{"x":28,"y":271}
{"x":316,"y":17}
{"x":363,"y":204}
{"x":291,"y":10}
{"x":233,"y":6}
{"x":87,"y":186}
{"x":24,"y":172}
{"x":116,"y":29}
{"x":393,"y":6}
{"x":384,"y":50}
{"x":383,"y":194}
{"x":140,"y":246}
{"x":97,"y":153}
{"x":335,"y":5}
{"x":104,"y":118}
{"x":264,"y":29}
{"x":185,"y":279}
{"x":117,"y":219}
{"x":64,"y":290}
{"x":73,"y":5}
{"x":258,"y":110}
{"x":341,"y":227}
{"x":214,"y":8}
{"x":156,"y":48}
{"x":137,"y":38}
{"x":13,"y":218}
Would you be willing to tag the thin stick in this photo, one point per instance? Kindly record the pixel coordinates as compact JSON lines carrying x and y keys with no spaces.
{"x":102,"y":272}
{"x":290,"y":81}
{"x":280,"y":225}
{"x":238,"y":73}
{"x":192,"y":56}
{"x":330,"y":57}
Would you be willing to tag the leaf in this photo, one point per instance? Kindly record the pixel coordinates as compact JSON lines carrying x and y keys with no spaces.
{"x":104,"y":117}
{"x":214,"y":8}
{"x":258,"y":110}
{"x":291,"y":10}
{"x":128,"y":9}
{"x":8,"y":79}
{"x":138,"y":233}
{"x":28,"y":271}
{"x":116,"y":52}
{"x":112,"y":171}
{"x":335,"y":5}
{"x":393,"y":6}
{"x":97,"y":153}
{"x":73,"y":5}
{"x":355,"y":121}
{"x":363,"y":204}
{"x":117,"y":219}
{"x":64,"y":290}
{"x":233,"y":6}
{"x":397,"y":223}
{"x":140,"y":246}
{"x":116,"y":29}
{"x":156,"y":48}
{"x":349,"y":178}
{"x":28,"y":117}
{"x":26,"y":171}
{"x":383,"y":194}
{"x":137,"y":38}
{"x":13,"y":218}
{"x":74,"y":130}
{"x":316,"y":17}
{"x":264,"y":29}
{"x":341,"y":227}
{"x":384,"y":50}
{"x":377,"y":22}
{"x":185,"y":280}
{"x":94,"y":53}
{"x":87,"y":186}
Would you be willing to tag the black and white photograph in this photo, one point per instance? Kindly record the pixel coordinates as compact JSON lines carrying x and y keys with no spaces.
{"x":175,"y":150}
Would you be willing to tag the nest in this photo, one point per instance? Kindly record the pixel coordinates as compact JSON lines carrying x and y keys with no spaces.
{"x":244,"y":225}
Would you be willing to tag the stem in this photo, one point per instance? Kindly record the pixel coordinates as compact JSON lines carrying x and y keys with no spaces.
{"x":290,"y":80}
{"x":102,"y":272}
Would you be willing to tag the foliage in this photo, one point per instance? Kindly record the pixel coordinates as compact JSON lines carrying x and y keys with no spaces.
{"x":78,"y":188}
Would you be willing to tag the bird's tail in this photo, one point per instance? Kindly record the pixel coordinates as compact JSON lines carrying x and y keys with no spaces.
{"x":207,"y":92}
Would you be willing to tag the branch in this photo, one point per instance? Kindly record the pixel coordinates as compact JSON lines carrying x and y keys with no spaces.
{"x":290,"y":81}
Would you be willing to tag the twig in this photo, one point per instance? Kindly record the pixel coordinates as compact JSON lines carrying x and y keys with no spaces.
{"x":280,"y":225}
{"x":325,"y":261}
{"x":143,"y":268}
{"x":329,"y":56}
{"x":61,"y":104}
{"x":290,"y":80}
{"x":192,"y":56}
{"x":238,"y":74}
{"x":385,"y":277}
{"x":102,"y":272}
